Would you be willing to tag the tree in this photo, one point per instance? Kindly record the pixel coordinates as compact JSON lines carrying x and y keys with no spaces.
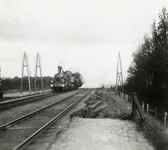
{"x":159,"y":57}
{"x":148,"y":73}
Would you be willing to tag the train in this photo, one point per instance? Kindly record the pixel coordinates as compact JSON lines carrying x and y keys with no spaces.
{"x":65,"y":81}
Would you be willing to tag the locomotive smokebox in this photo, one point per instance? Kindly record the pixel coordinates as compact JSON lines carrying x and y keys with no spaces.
{"x":71,"y":79}
{"x":59,"y":77}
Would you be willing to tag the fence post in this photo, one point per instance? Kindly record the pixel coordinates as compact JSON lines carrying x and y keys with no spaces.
{"x":147,"y":109}
{"x":165,"y":119}
{"x":143,"y":106}
{"x":156,"y":113}
{"x":130,"y":99}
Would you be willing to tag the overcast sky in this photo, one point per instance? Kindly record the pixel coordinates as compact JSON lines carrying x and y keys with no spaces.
{"x":80,"y":35}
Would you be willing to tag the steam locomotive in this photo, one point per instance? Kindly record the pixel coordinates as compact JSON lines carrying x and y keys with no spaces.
{"x":65,"y":80}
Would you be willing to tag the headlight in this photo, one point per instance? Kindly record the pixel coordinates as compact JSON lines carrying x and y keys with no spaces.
{"x":51,"y":85}
{"x":63,"y":85}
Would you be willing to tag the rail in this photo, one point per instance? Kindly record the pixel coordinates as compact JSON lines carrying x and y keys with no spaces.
{"x":11,"y":123}
{"x":23,"y":100}
{"x":30,"y":139}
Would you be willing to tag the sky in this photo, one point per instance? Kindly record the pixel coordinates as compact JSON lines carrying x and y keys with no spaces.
{"x":83,"y":36}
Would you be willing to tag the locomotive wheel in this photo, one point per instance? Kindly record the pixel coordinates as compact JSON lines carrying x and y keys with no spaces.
{"x":55,"y":89}
{"x":65,"y":88}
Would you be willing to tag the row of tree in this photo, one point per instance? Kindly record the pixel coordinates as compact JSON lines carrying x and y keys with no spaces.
{"x":9,"y":84}
{"x":148,"y":73}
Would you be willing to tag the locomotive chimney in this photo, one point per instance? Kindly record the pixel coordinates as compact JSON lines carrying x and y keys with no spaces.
{"x":59,"y":69}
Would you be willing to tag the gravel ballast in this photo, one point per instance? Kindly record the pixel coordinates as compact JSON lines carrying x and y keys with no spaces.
{"x":101,"y":134}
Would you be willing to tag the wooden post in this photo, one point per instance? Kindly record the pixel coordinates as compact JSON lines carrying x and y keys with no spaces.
{"x":143,"y":106}
{"x":156,"y":113}
{"x":126,"y":96}
{"x":129,"y":99}
{"x":147,"y":109}
{"x":165,"y":119}
{"x":136,"y":106}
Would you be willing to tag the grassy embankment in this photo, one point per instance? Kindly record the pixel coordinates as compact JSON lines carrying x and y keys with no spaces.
{"x":154,"y":131}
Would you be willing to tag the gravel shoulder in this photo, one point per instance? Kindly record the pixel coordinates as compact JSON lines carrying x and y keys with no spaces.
{"x":101,"y":134}
{"x":106,"y":132}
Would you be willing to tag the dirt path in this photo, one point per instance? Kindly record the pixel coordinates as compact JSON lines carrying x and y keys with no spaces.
{"x":101,"y":134}
{"x":123,"y":105}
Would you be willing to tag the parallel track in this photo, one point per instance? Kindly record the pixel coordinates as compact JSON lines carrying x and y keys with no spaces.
{"x":38,"y":132}
{"x":4,"y":105}
{"x":8,"y":104}
{"x":9,"y":124}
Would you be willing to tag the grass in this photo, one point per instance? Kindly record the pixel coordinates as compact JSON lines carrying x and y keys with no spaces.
{"x":7,"y":115}
{"x":156,"y":133}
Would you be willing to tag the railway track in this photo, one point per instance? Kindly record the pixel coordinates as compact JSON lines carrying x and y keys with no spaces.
{"x":23,"y":131}
{"x":4,"y":105}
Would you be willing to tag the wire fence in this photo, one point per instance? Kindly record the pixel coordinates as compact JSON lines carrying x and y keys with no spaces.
{"x":159,"y":115}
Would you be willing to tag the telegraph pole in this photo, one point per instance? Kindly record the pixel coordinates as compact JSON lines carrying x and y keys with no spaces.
{"x":119,"y":76}
{"x":38,"y":65}
{"x":25,"y":64}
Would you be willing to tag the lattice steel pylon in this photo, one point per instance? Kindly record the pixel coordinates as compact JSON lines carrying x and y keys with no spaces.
{"x":38,"y":65}
{"x":119,"y":76}
{"x":25,"y":64}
